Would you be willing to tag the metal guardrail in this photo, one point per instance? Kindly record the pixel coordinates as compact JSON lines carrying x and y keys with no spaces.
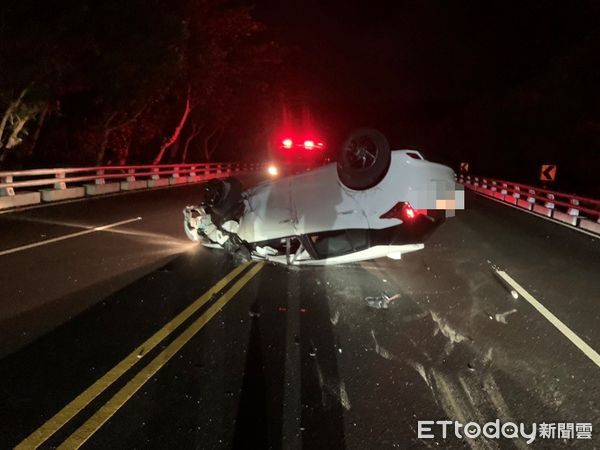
{"x":575,"y":210}
{"x":26,"y":187}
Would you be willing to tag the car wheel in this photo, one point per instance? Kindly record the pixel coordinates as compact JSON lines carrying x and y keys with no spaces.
{"x":364,"y":159}
{"x":224,"y":198}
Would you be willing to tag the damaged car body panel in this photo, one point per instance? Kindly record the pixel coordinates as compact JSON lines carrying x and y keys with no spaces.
{"x":315,"y":218}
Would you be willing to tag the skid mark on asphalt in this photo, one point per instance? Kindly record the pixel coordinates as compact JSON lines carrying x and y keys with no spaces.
{"x":455,"y":372}
{"x":380,"y":350}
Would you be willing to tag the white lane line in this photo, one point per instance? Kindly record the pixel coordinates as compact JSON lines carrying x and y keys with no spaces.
{"x":67,"y":236}
{"x":579,"y":343}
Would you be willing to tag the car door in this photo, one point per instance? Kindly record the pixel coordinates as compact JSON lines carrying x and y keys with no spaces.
{"x":321,"y":203}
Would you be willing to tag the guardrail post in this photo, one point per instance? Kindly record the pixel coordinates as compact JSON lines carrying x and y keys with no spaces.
{"x":99,"y":178}
{"x":176,"y":178}
{"x":193,"y":177}
{"x":494,"y":187}
{"x":573,"y":211}
{"x":60,"y":183}
{"x":504,"y":191}
{"x":10,"y":199}
{"x":60,"y":191}
{"x":7,"y":191}
{"x":130,"y":182}
{"x":516,"y":194}
{"x":549,"y":204}
{"x":531,"y":199}
{"x":155,"y":179}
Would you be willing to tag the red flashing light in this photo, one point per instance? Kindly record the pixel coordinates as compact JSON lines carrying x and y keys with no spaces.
{"x":287,"y":143}
{"x":309,"y":145}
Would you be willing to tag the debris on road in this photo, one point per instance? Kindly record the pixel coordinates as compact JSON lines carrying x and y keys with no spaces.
{"x":336,"y":317}
{"x":502,"y":316}
{"x":381,"y":302}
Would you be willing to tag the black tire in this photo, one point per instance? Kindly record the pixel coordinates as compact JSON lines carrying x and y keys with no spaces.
{"x":364,"y":159}
{"x":224,"y":198}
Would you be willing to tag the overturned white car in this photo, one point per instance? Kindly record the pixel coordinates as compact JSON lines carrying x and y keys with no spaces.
{"x":373,"y":203}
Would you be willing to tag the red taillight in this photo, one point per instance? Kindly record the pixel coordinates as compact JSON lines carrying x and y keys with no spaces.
{"x":402,"y":211}
{"x":287,"y":143}
{"x":309,"y":145}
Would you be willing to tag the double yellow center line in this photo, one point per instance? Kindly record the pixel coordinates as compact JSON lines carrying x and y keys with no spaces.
{"x":85,"y":431}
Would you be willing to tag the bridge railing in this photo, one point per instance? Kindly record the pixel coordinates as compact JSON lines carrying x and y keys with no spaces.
{"x":575,"y":210}
{"x":26,"y":187}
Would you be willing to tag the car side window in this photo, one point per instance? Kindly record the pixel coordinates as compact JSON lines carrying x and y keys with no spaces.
{"x":340,"y":242}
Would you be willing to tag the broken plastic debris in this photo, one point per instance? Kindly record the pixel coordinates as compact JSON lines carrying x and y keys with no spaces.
{"x":335,"y":318}
{"x":382,"y":302}
{"x":378,"y":302}
{"x":502,"y":316}
{"x":265,"y":251}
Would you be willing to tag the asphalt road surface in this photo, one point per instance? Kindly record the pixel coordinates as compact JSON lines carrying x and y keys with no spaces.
{"x":132,"y":337}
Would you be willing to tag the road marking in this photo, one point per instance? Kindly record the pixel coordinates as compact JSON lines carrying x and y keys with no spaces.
{"x":40,"y":435}
{"x":85,"y":431}
{"x":579,"y":343}
{"x":68,"y":236}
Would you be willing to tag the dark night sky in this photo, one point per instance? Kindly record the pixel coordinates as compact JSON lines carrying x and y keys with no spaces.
{"x":447,"y":77}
